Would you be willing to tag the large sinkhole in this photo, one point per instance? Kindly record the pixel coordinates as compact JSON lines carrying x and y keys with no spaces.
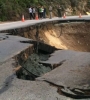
{"x":32,"y":68}
{"x":70,"y":36}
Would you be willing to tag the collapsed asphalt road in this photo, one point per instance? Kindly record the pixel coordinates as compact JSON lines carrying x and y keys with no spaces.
{"x":72,"y":74}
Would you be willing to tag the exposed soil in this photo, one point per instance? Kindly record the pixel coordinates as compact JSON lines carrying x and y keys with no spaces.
{"x":72,"y":36}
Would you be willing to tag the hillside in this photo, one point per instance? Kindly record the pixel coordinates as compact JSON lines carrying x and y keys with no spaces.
{"x":13,"y":9}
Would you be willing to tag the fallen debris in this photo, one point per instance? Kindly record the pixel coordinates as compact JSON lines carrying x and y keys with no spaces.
{"x":32,"y":68}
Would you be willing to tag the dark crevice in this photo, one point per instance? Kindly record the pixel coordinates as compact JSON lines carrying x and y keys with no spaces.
{"x":32,"y":67}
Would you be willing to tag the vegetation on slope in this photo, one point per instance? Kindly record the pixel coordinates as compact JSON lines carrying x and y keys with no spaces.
{"x":13,"y":9}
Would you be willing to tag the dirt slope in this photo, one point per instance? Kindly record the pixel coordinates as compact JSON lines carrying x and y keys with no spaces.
{"x":72,"y":36}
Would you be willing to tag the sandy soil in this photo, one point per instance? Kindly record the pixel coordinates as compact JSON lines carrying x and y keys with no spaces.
{"x":72,"y":36}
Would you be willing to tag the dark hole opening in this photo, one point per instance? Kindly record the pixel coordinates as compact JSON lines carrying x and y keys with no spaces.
{"x":32,"y":67}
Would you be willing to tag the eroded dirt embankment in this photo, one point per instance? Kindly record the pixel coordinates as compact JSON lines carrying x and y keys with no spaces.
{"x":72,"y":36}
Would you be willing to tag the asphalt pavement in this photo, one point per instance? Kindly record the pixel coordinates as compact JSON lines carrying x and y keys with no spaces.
{"x":26,"y":23}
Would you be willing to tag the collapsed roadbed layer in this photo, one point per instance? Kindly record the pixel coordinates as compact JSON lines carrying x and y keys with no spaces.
{"x":71,"y":74}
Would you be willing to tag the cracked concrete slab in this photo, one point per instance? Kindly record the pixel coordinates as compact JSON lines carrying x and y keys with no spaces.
{"x":11,"y":46}
{"x":61,"y":55}
{"x":12,"y":88}
{"x":74,"y":73}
